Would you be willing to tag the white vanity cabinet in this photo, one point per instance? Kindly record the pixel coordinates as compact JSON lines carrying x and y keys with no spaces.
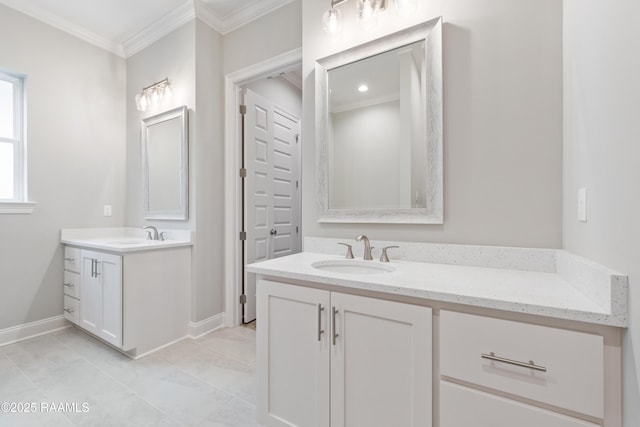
{"x":329,"y":358}
{"x":101,"y":289}
{"x":137,"y":301}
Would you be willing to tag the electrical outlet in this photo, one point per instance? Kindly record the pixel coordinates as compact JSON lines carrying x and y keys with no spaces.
{"x":582,"y":204}
{"x":108,"y":210}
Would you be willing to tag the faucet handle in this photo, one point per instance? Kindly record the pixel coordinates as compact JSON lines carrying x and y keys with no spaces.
{"x":384,"y":257}
{"x":349,"y":254}
{"x":148,"y":234}
{"x":162,"y":235}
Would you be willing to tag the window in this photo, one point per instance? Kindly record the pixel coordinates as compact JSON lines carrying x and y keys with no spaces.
{"x":13,"y":182}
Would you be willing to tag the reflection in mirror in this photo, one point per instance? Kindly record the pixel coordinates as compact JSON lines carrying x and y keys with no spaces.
{"x":165,"y":160}
{"x":379,"y":130}
{"x":377,"y":122}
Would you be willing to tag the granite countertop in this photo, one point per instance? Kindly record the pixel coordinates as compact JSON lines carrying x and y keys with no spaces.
{"x":546,"y":294}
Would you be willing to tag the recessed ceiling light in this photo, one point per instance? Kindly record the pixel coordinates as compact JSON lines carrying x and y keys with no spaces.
{"x":363,"y":88}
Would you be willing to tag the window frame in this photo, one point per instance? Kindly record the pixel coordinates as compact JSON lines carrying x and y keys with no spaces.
{"x":19,"y":203}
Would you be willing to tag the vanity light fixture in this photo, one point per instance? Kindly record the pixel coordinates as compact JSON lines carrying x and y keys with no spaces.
{"x":368,"y":11}
{"x":151,"y":95}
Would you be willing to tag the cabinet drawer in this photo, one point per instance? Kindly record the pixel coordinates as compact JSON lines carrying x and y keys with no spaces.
{"x":72,"y":259}
{"x":72,"y":284}
{"x":464,"y":407}
{"x":573,"y":361}
{"x":72,"y":309}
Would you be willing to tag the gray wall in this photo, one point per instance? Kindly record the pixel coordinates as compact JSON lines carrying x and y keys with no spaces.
{"x":191,"y":58}
{"x":602,"y":153}
{"x":503,"y":121}
{"x":76,"y":158}
{"x":278,"y":32}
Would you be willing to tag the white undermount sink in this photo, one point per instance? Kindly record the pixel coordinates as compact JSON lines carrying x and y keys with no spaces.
{"x":350,"y":266}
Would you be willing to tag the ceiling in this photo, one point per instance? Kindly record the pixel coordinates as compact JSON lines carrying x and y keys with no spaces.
{"x":127,"y":26}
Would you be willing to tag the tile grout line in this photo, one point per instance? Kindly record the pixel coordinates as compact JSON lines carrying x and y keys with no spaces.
{"x":120,"y":382}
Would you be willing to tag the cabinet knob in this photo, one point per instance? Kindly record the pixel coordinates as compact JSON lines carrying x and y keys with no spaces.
{"x":70,"y":285}
{"x":273,"y":232}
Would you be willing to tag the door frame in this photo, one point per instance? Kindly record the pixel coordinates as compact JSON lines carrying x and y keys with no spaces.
{"x":233,"y":268}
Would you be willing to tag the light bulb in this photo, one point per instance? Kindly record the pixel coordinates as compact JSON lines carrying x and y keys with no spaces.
{"x":155,"y":97}
{"x":363,"y":88}
{"x":367,"y":13}
{"x":332,"y":22}
{"x":167,"y":90}
{"x":406,"y":8}
{"x":141,"y":101}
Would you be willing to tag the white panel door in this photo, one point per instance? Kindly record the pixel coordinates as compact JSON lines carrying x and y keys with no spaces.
{"x":381,"y":364}
{"x":272,"y":215}
{"x":286,"y":239}
{"x":293,"y":355}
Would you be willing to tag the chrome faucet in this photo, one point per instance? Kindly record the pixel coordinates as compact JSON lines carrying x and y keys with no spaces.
{"x":367,"y":247}
{"x":149,"y":229}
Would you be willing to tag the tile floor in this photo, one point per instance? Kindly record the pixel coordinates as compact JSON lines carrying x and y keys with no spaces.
{"x":205,"y":382}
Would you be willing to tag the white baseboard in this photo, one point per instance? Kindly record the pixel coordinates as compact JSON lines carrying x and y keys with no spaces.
{"x":33,"y":329}
{"x":203,"y":327}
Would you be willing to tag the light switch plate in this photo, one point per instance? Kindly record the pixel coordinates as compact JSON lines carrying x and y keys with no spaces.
{"x":582,"y":204}
{"x":108,"y":210}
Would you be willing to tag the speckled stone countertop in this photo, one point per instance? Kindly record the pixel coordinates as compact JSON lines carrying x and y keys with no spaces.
{"x":542,"y":293}
{"x":121,"y":240}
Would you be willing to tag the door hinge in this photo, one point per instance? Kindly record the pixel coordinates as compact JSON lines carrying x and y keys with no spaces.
{"x":296,"y":183}
{"x":243,"y":299}
{"x":297,"y":137}
{"x":243,"y":109}
{"x":243,"y":235}
{"x":297,"y":229}
{"x":243,"y":172}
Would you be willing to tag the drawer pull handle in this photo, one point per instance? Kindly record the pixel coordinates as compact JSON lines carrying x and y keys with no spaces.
{"x":68,"y":310}
{"x":70,"y":285}
{"x":530,"y":365}
{"x":70,"y":259}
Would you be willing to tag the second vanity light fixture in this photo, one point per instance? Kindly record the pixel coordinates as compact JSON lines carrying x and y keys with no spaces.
{"x":368,"y":11}
{"x":151,"y":95}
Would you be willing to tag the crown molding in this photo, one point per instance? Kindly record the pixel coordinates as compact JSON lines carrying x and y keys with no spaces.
{"x":160,"y":28}
{"x":248,"y":14}
{"x":64,"y":25}
{"x":189,"y":10}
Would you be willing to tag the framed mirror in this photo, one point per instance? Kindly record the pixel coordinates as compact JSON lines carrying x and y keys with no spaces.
{"x":379,"y":130}
{"x":165,"y":165}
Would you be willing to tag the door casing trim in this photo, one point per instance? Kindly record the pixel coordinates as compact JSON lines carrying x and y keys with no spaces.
{"x":232,"y":187}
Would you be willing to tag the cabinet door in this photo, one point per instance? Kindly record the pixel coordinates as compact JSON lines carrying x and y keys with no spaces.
{"x":109,"y":271}
{"x":464,"y":407}
{"x":381,"y":367}
{"x":91,"y":291}
{"x":101,"y":290}
{"x":292,"y":355}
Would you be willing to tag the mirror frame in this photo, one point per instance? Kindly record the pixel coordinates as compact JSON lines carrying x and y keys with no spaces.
{"x":182,"y":213}
{"x":431,"y":33}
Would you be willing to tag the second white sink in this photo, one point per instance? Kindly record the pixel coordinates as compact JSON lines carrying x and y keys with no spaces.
{"x":349,"y":266}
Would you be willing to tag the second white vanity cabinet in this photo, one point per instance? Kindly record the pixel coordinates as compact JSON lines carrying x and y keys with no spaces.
{"x":101,"y":290}
{"x":329,"y":358}
{"x":136,"y":300}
